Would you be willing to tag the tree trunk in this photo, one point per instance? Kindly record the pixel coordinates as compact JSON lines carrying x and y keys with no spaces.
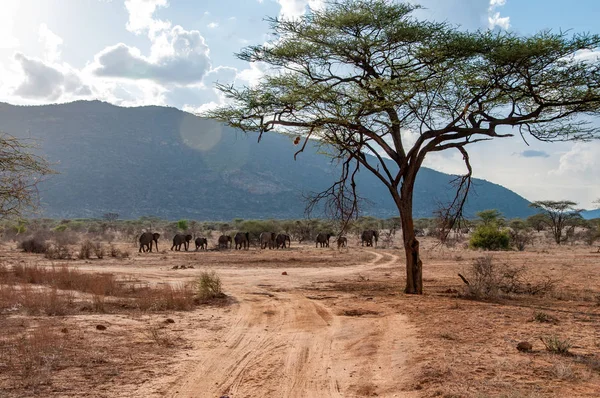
{"x":414,"y":265}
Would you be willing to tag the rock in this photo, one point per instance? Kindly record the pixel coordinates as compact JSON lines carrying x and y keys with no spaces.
{"x":524,"y":346}
{"x":284,"y":273}
{"x":100,"y":327}
{"x":175,"y":267}
{"x":169,"y":320}
{"x":190,"y":266}
{"x":64,"y":330}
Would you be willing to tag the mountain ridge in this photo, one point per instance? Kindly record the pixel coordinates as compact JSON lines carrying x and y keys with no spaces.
{"x":165,"y":162}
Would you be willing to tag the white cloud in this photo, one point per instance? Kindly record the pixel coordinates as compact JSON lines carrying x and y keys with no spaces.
{"x":494,"y":18}
{"x":177,"y":56}
{"x":141,"y":16}
{"x":48,"y":82}
{"x":581,"y":158}
{"x":51,"y":42}
{"x":295,"y":8}
{"x":252,"y":74}
{"x":212,"y":25}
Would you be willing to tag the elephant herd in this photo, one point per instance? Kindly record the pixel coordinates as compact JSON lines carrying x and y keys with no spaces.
{"x":242,"y":241}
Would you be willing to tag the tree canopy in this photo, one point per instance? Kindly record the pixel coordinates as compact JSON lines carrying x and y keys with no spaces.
{"x":370,"y":81}
{"x":559,"y":214}
{"x":20,"y":173}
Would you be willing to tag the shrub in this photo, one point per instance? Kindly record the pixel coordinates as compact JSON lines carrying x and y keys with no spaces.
{"x":488,"y":280}
{"x":556,"y":345}
{"x":489,"y":237}
{"x":182,"y":225}
{"x":117,"y":253}
{"x":85,"y":251}
{"x":208,"y":286}
{"x":60,"y":228}
{"x":542,"y":317}
{"x":33,"y":245}
{"x":57,"y":251}
{"x":99,"y":250}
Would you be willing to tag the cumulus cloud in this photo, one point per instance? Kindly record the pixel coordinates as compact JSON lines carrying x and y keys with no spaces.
{"x":295,"y":8}
{"x":46,"y":81}
{"x":494,"y":18}
{"x":141,"y":16}
{"x":581,"y":158}
{"x":178,"y":56}
{"x":51,"y":42}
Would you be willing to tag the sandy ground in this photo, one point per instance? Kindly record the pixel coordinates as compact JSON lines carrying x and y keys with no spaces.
{"x":337,"y":325}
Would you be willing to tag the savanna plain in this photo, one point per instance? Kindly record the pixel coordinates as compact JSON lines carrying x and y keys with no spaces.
{"x":300,"y":322}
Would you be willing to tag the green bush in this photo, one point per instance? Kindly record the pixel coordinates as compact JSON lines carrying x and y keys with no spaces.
{"x":489,"y":237}
{"x":183,"y":225}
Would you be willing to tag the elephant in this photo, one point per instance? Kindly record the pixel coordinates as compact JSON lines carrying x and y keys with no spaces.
{"x":146,"y":240}
{"x":201,"y":243}
{"x":281,"y":239}
{"x":342,"y":242}
{"x":224,"y":242}
{"x":322,"y":239}
{"x":179,"y":240}
{"x":267,"y":239}
{"x":369,"y":236}
{"x":242,"y":239}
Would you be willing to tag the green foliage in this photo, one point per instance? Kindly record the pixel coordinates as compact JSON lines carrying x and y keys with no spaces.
{"x":182,"y":225}
{"x":491,"y":217}
{"x":538,"y":222}
{"x":489,"y":237}
{"x":559,"y":214}
{"x":60,"y":228}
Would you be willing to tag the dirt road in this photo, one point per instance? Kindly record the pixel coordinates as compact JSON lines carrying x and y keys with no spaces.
{"x":279,"y":341}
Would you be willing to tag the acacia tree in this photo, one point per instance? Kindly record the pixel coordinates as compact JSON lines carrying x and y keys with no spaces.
{"x":365,"y":77}
{"x":20,"y":173}
{"x":559,"y":214}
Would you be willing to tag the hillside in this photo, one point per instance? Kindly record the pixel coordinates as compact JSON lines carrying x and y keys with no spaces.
{"x":168,"y":163}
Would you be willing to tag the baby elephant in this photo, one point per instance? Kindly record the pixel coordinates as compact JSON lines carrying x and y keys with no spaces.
{"x":179,"y":240}
{"x":342,"y":242}
{"x":201,"y":243}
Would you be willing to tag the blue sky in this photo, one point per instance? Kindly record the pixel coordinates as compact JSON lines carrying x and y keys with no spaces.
{"x":170,"y":52}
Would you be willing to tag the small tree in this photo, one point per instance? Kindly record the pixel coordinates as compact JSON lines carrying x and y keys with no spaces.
{"x":362,"y":75}
{"x":538,"y":221}
{"x":488,"y":235}
{"x":559,"y":215}
{"x":20,"y":173}
{"x":491,"y":217}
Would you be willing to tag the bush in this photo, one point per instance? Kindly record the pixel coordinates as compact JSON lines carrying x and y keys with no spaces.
{"x":85,"y":251}
{"x":208,"y":286}
{"x":33,"y":245}
{"x":182,"y":225}
{"x":489,"y":237}
{"x":117,"y":253}
{"x":99,"y":250}
{"x":58,"y":251}
{"x":488,"y":280}
{"x":556,"y":345}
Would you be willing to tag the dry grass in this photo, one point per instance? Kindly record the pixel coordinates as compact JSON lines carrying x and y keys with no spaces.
{"x":49,"y":290}
{"x":33,"y":356}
